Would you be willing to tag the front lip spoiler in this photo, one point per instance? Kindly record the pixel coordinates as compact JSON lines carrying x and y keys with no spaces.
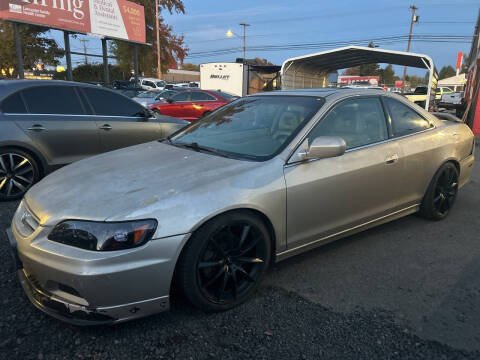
{"x":62,"y":310}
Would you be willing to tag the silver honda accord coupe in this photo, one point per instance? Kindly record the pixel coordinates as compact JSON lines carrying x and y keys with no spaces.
{"x":210,"y":208}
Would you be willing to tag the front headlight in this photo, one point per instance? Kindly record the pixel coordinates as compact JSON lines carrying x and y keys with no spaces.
{"x":103,"y":236}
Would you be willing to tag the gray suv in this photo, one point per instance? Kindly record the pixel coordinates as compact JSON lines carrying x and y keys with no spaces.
{"x":47,"y":124}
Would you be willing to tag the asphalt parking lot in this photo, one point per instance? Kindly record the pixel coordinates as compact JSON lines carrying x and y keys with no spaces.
{"x":407,"y":289}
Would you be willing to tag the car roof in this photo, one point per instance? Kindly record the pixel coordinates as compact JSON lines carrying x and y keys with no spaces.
{"x":9,"y":86}
{"x":324,"y":92}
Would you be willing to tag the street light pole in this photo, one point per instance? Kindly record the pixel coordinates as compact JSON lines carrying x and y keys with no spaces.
{"x":413,"y":20}
{"x":244,"y":39}
{"x":159,"y":70}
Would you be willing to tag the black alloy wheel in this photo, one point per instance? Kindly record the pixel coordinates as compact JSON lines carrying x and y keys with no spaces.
{"x":224,"y":261}
{"x":18,"y":172}
{"x":441,"y":193}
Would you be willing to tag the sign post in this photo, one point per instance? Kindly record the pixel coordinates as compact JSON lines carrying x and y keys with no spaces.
{"x":18,"y":51}
{"x":68,"y":56}
{"x":106,"y":75}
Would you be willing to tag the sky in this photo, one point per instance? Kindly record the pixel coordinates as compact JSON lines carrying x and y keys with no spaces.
{"x":286,"y":22}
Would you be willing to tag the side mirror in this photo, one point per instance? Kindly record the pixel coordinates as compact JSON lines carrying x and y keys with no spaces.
{"x":147,"y":114}
{"x":324,"y":147}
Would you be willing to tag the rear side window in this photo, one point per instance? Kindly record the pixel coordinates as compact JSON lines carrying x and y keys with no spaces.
{"x":183,"y":96}
{"x":405,"y":120}
{"x":14,"y":104}
{"x":108,"y":103}
{"x":200,"y":96}
{"x":52,"y":100}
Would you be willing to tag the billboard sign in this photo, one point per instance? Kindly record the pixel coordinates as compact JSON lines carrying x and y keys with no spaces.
{"x":115,"y":19}
{"x":358,"y":80}
{"x":398,"y":84}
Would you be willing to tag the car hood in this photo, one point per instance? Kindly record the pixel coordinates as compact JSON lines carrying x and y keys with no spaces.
{"x":122,"y":183}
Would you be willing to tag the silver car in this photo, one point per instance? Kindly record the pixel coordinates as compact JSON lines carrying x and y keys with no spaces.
{"x":208,"y":210}
{"x":147,"y":98}
{"x":48,"y":124}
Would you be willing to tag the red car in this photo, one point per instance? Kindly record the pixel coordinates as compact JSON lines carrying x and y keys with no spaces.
{"x":192,"y":104}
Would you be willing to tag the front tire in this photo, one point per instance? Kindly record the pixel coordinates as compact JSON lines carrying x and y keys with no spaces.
{"x":18,"y":172}
{"x":441,"y":193}
{"x":224,"y":261}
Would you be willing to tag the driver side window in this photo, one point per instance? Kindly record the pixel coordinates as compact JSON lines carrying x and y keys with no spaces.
{"x":358,"y":121}
{"x":183,"y":96}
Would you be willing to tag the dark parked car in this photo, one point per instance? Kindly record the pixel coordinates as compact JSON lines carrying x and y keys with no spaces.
{"x":47,"y":124}
{"x":192,"y":104}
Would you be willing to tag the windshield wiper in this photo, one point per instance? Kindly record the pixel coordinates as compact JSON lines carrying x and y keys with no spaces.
{"x":199,"y":148}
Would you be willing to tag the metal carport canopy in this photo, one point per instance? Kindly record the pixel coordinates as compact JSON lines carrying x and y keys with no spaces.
{"x":350,"y":56}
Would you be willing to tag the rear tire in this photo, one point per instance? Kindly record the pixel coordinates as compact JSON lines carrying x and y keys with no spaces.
{"x":441,"y":193}
{"x":18,"y":172}
{"x":224,"y":261}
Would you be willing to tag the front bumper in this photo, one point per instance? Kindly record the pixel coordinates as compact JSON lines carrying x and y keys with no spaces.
{"x":87,"y":287}
{"x":83,"y":315}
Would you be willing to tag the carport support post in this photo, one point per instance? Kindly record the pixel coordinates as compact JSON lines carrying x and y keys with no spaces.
{"x":135,"y":63}
{"x":68,"y":56}
{"x":106,"y":77}
{"x":18,"y":51}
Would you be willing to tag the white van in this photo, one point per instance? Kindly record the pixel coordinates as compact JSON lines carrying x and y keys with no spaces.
{"x":151,"y":83}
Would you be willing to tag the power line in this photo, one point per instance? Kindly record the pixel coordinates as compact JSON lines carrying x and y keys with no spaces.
{"x":428,"y":38}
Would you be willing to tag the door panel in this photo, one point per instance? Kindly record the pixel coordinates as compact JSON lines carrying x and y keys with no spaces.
{"x":333,"y":194}
{"x":121,"y":121}
{"x":61,"y":138}
{"x":328,"y":195}
{"x":420,"y":145}
{"x":119,"y":132}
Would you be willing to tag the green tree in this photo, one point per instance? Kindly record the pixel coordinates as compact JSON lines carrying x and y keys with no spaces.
{"x":36,"y":47}
{"x":190,"y":67}
{"x":172,"y":47}
{"x":414,"y":80}
{"x":94,"y":73}
{"x":352,"y":71}
{"x":369,"y":69}
{"x":446,"y":72}
{"x":387,"y":75}
{"x":363,"y":70}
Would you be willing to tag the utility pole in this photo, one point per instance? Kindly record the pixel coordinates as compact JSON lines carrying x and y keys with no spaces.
{"x":84,"y":42}
{"x":157,"y":25}
{"x":413,"y":20}
{"x":244,"y":39}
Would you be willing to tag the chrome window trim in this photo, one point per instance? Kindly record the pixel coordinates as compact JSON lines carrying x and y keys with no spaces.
{"x":76,"y":115}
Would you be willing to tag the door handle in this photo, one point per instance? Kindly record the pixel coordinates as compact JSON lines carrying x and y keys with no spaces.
{"x":391,"y":159}
{"x":37,"y":127}
{"x":105,"y":127}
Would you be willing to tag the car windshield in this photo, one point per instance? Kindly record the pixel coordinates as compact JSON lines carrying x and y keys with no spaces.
{"x":147,"y":94}
{"x":255,"y":128}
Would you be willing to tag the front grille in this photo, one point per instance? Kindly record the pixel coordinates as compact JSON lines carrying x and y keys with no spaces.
{"x":25,"y":221}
